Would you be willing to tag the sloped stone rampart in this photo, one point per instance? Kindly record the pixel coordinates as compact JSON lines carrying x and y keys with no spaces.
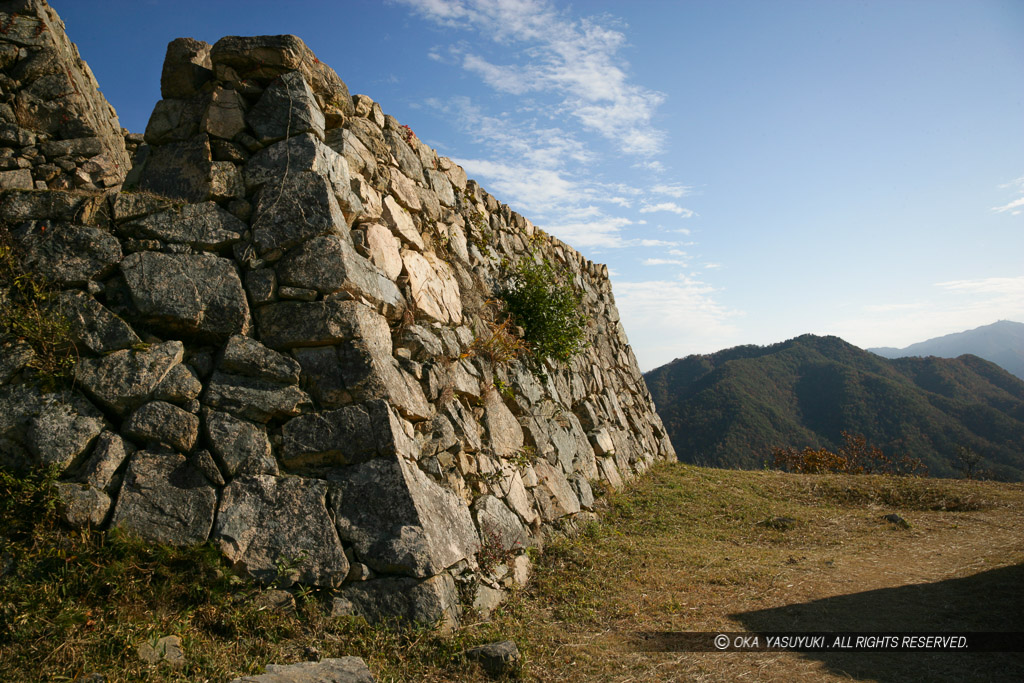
{"x":280,"y":351}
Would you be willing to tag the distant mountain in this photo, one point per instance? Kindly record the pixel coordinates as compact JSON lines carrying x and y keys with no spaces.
{"x":728,"y":409}
{"x":1001,"y":342}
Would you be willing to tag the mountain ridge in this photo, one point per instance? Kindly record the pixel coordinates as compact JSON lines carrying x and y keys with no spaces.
{"x":728,"y":409}
{"x":1002,"y":343}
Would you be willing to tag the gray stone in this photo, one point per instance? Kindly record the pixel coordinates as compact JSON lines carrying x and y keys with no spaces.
{"x":399,"y":520}
{"x":254,"y":399}
{"x":179,"y":386}
{"x":290,"y":324}
{"x":555,"y":496}
{"x":265,"y":521}
{"x":296,"y":208}
{"x":205,"y":464}
{"x":499,"y":526}
{"x":245,"y":356}
{"x":465,"y":425}
{"x":401,"y":223}
{"x":199,"y":295}
{"x":225,"y":115}
{"x":180,"y":170}
{"x":14,"y":356}
{"x":175,"y":120}
{"x":408,"y":160}
{"x":61,"y":430}
{"x":434,"y":287}
{"x":369,"y":369}
{"x":93,"y":327}
{"x":322,"y":376}
{"x":241,"y":447}
{"x":434,"y":601}
{"x":361,"y":160}
{"x":330,"y":264}
{"x":164,"y":650}
{"x":583,"y":491}
{"x":505,"y":434}
{"x":81,"y":505}
{"x":384,"y":250}
{"x":186,"y":68}
{"x":20,"y":179}
{"x":497,"y":659}
{"x":66,"y":254}
{"x":424,"y":344}
{"x":286,"y":108}
{"x":340,"y":670}
{"x":487,"y":599}
{"x":162,"y":422}
{"x":201,"y":226}
{"x":441,"y":186}
{"x":295,"y":156}
{"x":164,"y":499}
{"x":335,"y":437}
{"x":261,"y":284}
{"x":107,"y":455}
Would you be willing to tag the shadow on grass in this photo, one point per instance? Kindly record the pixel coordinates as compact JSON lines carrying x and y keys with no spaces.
{"x":988,"y":601}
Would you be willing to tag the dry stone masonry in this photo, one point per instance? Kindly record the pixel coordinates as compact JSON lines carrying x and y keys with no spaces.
{"x":278,"y":317}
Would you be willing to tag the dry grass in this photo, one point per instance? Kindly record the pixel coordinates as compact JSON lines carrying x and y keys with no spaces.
{"x":682,"y":550}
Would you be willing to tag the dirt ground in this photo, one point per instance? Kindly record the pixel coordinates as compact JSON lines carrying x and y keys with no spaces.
{"x":843,"y":568}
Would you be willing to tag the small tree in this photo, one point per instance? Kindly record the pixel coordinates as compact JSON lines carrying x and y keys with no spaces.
{"x":545,"y":304}
{"x":968,"y":463}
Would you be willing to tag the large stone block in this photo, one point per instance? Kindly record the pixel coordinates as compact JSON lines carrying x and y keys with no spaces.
{"x":434,"y":601}
{"x":399,"y":520}
{"x":289,"y":211}
{"x":265,"y":522}
{"x":181,"y":170}
{"x":199,"y":295}
{"x":164,"y":499}
{"x":254,"y":399}
{"x":245,"y":356}
{"x":331,"y":264}
{"x":201,"y":226}
{"x":162,"y":422}
{"x":124,"y":380}
{"x":241,"y":447}
{"x":345,"y":436}
{"x":67,"y":254}
{"x":286,"y":108}
{"x":186,"y":68}
{"x":336,"y":670}
{"x":94,"y":327}
{"x":554,"y":494}
{"x":434,"y":287}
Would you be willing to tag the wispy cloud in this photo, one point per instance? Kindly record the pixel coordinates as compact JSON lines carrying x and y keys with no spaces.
{"x":1003,"y":286}
{"x":665,"y":262}
{"x":668,"y":319}
{"x":574,"y":59}
{"x":676,"y":191}
{"x":670,"y":207}
{"x":1016,"y":206}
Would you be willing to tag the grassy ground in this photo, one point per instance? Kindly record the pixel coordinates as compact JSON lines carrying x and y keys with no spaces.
{"x":683,"y":549}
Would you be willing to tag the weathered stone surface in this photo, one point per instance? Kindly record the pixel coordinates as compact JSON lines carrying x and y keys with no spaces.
{"x":370,"y":371}
{"x":487,"y":599}
{"x":289,"y":324}
{"x":432,"y":601}
{"x":162,"y":422}
{"x":67,"y":254}
{"x":298,"y":208}
{"x":340,"y":670}
{"x":246,"y":356}
{"x":201,"y":226}
{"x":361,"y":161}
{"x":322,"y":376}
{"x":180,"y":170}
{"x":401,"y":223}
{"x":294,"y":156}
{"x":194,"y":294}
{"x":109,"y":451}
{"x":93,"y":327}
{"x":602,"y":442}
{"x":254,"y":399}
{"x":62,"y":429}
{"x":555,"y":496}
{"x":286,"y":108}
{"x":225,"y":115}
{"x":497,"y":659}
{"x":166,"y":650}
{"x":498,"y":525}
{"x":165,"y":500}
{"x":330,"y":264}
{"x":584,"y":493}
{"x":179,"y":386}
{"x":505,"y":433}
{"x":399,"y":520}
{"x":240,"y":446}
{"x":81,"y":505}
{"x":434,"y":286}
{"x":402,"y":188}
{"x":349,"y":435}
{"x":186,"y":68}
{"x":408,"y":160}
{"x":385,"y":250}
{"x":263,"y":520}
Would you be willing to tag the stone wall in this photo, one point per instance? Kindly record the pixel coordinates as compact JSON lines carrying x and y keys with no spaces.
{"x":56,"y":130}
{"x":280,"y":324}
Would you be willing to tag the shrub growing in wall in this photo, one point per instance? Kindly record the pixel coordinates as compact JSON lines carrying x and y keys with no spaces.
{"x":543,"y":301}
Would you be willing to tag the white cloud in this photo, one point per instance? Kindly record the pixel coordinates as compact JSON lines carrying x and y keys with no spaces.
{"x":601,"y":232}
{"x":665,"y":262}
{"x":671,"y":207}
{"x":532,"y":189}
{"x":668,"y":319}
{"x":1011,"y":287}
{"x":659,"y":243}
{"x":1016,"y":206}
{"x":712,"y":266}
{"x":676,"y":191}
{"x":575,"y":60}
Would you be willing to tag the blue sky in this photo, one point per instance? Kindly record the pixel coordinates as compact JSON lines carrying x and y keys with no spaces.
{"x":750,"y":171}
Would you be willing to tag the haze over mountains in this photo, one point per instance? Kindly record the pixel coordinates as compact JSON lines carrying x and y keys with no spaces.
{"x":728,"y":409}
{"x":1001,"y":342}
